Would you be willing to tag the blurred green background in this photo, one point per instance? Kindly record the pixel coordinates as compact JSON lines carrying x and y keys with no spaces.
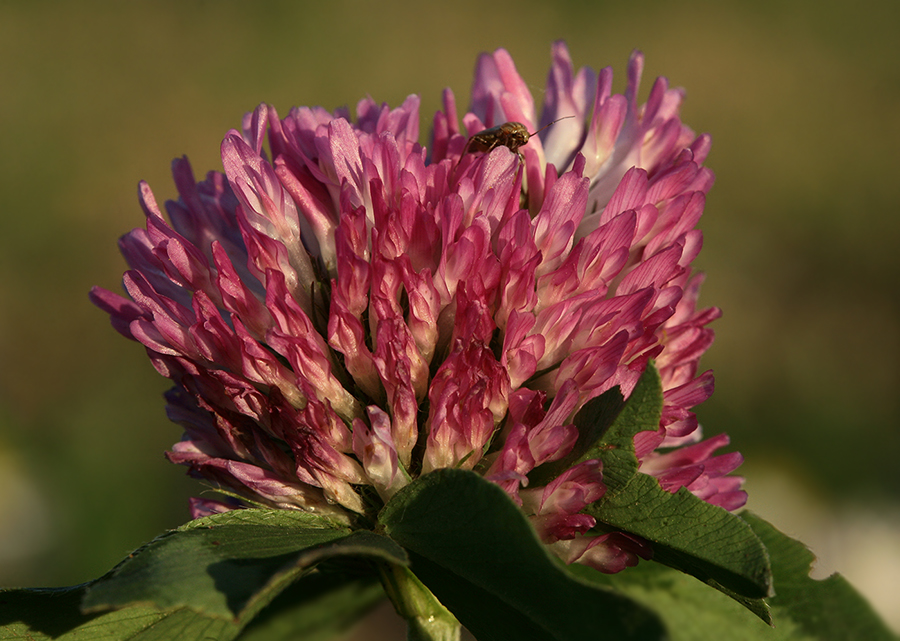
{"x":802,"y":99}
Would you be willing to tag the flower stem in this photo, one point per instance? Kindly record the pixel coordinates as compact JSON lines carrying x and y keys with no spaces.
{"x":427,"y":618}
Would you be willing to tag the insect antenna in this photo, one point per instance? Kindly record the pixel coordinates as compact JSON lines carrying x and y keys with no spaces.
{"x":552,"y":122}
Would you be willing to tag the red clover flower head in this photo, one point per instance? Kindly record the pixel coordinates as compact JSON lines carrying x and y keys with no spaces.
{"x":348,"y":310}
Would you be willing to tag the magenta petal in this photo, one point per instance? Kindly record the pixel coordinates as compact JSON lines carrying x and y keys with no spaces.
{"x":208,"y":507}
{"x":121,"y":310}
{"x":608,"y":553}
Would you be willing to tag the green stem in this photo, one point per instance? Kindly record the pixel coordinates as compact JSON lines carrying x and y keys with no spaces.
{"x":427,"y":618}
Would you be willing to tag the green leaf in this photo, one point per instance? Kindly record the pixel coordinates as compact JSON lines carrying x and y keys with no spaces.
{"x":592,"y":420}
{"x":230,"y":565}
{"x":687,"y":533}
{"x":475,"y":550}
{"x":691,"y":610}
{"x":690,"y":535}
{"x":317,"y":607}
{"x":802,"y":608}
{"x":210,"y":578}
{"x":44,"y":614}
{"x":641,"y":413}
{"x":829,"y":609}
{"x":606,"y":428}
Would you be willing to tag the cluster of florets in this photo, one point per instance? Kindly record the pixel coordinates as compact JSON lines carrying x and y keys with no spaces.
{"x":349,"y":310}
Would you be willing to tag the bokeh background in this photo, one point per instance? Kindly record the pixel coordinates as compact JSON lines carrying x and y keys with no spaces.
{"x":802,"y":98}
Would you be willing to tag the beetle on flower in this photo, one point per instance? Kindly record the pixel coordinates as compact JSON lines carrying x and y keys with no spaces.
{"x":349,"y":310}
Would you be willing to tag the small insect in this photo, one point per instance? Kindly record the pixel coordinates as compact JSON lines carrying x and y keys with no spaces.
{"x":510,"y":134}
